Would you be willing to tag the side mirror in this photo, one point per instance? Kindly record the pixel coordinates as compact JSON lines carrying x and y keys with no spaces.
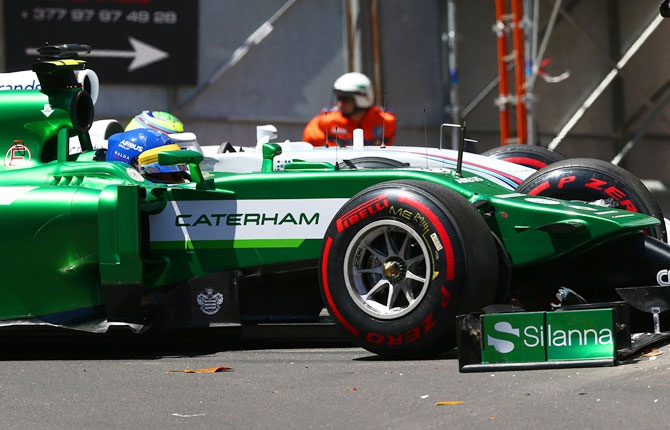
{"x":184,"y":156}
{"x":270,"y":151}
{"x":192,"y":158}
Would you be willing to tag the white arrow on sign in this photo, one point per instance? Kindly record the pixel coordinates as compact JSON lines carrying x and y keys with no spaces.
{"x":47,"y":111}
{"x":142,"y":54}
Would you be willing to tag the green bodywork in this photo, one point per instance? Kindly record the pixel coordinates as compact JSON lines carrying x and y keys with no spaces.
{"x":71,"y":225}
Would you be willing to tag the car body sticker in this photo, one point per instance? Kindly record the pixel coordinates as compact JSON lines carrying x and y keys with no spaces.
{"x":207,"y":220}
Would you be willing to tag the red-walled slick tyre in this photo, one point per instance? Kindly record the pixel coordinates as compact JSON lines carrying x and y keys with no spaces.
{"x":598,"y":182}
{"x":535,"y":157}
{"x":400,"y":260}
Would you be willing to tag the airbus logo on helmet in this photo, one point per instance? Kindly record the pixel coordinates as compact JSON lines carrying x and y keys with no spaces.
{"x":125,"y":144}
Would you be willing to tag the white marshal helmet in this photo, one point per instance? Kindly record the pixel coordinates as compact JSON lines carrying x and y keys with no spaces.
{"x":355,"y":85}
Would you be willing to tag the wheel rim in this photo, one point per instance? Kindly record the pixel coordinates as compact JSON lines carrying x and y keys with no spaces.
{"x":387,"y":269}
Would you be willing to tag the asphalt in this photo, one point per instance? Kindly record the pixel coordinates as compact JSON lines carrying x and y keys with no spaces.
{"x":119,"y":382}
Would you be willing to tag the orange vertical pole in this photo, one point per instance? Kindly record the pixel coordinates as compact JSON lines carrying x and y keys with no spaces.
{"x":519,"y":72}
{"x":503,"y":87}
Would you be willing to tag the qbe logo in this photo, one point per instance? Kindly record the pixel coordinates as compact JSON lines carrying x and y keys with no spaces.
{"x":209,"y":301}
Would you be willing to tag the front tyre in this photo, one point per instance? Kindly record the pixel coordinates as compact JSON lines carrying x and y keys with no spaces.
{"x":598,"y":182}
{"x":400,"y":261}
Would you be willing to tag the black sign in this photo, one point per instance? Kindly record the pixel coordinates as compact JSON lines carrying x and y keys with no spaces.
{"x":133,"y":41}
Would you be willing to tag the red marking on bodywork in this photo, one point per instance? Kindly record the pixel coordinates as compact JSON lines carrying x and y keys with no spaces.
{"x":326,"y":290}
{"x":441,"y":231}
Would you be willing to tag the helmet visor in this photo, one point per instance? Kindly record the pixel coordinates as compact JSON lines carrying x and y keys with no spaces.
{"x":149,"y":168}
{"x":344,"y":95}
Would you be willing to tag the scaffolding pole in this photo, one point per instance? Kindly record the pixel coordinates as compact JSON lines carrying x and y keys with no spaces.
{"x":537,"y":57}
{"x":646,"y":123}
{"x":380,"y":98}
{"x":576,"y":116}
{"x":529,"y":26}
{"x":354,"y":54}
{"x":505,"y":21}
{"x":254,"y":38}
{"x":519,"y":72}
{"x":454,"y":113}
{"x":503,"y":86}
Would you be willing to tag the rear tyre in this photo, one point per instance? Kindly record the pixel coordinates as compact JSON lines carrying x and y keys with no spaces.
{"x":535,"y":157}
{"x":598,"y":182}
{"x":400,"y":261}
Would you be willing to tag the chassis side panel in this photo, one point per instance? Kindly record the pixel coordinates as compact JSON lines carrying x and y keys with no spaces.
{"x":50,"y":259}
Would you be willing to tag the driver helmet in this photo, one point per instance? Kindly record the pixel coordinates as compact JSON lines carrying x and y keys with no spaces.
{"x":357,"y":86}
{"x":127,"y":147}
{"x":161,"y":121}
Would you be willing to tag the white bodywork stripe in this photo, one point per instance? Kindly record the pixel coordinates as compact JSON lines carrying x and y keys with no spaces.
{"x":9,"y":194}
{"x":177,"y":212}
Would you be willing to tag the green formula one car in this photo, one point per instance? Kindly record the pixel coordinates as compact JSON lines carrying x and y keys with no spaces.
{"x":393,"y":254}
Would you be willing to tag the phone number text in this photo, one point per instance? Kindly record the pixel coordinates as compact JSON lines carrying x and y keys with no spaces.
{"x":103,"y":16}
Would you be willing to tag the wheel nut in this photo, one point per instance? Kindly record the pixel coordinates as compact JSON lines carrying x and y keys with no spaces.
{"x":392,"y":270}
